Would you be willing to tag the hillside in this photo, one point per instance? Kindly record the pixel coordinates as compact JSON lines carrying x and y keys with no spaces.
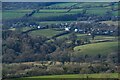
{"x":103,"y":48}
{"x":58,"y":9}
{"x":61,"y":39}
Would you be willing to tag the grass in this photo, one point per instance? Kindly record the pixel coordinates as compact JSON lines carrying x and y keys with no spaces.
{"x":59,"y":10}
{"x":46,"y":15}
{"x":81,"y":4}
{"x":101,"y":11}
{"x":103,"y":48}
{"x":25,"y":28}
{"x":61,"y":5}
{"x":116,"y":13}
{"x":46,"y":32}
{"x":71,"y":76}
{"x":43,"y":13}
{"x":98,"y":11}
{"x":97,"y":38}
{"x":11,"y":14}
{"x":77,"y":34}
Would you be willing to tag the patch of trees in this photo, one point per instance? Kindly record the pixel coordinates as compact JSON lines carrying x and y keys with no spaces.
{"x":19,"y":47}
{"x":17,"y":70}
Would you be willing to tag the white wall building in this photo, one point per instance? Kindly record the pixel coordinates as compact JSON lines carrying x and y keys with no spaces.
{"x":76,"y":30}
{"x":67,"y":29}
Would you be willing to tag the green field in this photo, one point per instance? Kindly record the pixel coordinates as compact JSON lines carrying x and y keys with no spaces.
{"x":99,"y":11}
{"x":46,"y":15}
{"x":94,"y":8}
{"x":71,"y":76}
{"x":54,"y":13}
{"x":62,"y":5}
{"x":11,"y":14}
{"x":103,"y":38}
{"x":80,"y":36}
{"x":103,"y":48}
{"x":50,"y":33}
{"x":91,"y":4}
{"x":59,"y":10}
{"x":46,"y":32}
{"x":81,"y":4}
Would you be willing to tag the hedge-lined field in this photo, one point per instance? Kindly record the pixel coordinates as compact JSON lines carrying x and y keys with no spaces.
{"x":45,"y":32}
{"x":94,"y":8}
{"x":103,"y":48}
{"x":71,"y":76}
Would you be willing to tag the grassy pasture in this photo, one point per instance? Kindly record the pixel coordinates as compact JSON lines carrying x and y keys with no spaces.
{"x":11,"y":14}
{"x":45,"y":15}
{"x":45,"y":32}
{"x":94,"y":8}
{"x":84,"y":4}
{"x":97,"y":38}
{"x":59,"y":10}
{"x":103,"y":48}
{"x":81,"y":4}
{"x":77,"y":34}
{"x":62,"y":5}
{"x":116,"y":13}
{"x":98,"y":11}
{"x":54,"y":13}
{"x":101,"y":11}
{"x":103,"y":38}
{"x":25,"y":28}
{"x":71,"y":76}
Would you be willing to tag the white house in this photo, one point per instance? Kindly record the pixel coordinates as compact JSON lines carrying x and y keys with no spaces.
{"x":38,"y":27}
{"x":67,"y":29}
{"x":76,"y":30}
{"x":89,"y":34}
{"x":66,"y":23}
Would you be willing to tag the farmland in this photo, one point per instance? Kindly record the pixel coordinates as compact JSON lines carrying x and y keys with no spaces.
{"x":46,"y":32}
{"x":72,"y":76}
{"x":9,"y":14}
{"x":60,"y":40}
{"x":96,"y":48}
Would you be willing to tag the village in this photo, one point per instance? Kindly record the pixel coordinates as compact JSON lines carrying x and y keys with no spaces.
{"x":81,"y":27}
{"x":60,"y":39}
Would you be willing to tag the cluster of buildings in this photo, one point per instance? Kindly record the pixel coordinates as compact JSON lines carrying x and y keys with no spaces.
{"x":71,"y":27}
